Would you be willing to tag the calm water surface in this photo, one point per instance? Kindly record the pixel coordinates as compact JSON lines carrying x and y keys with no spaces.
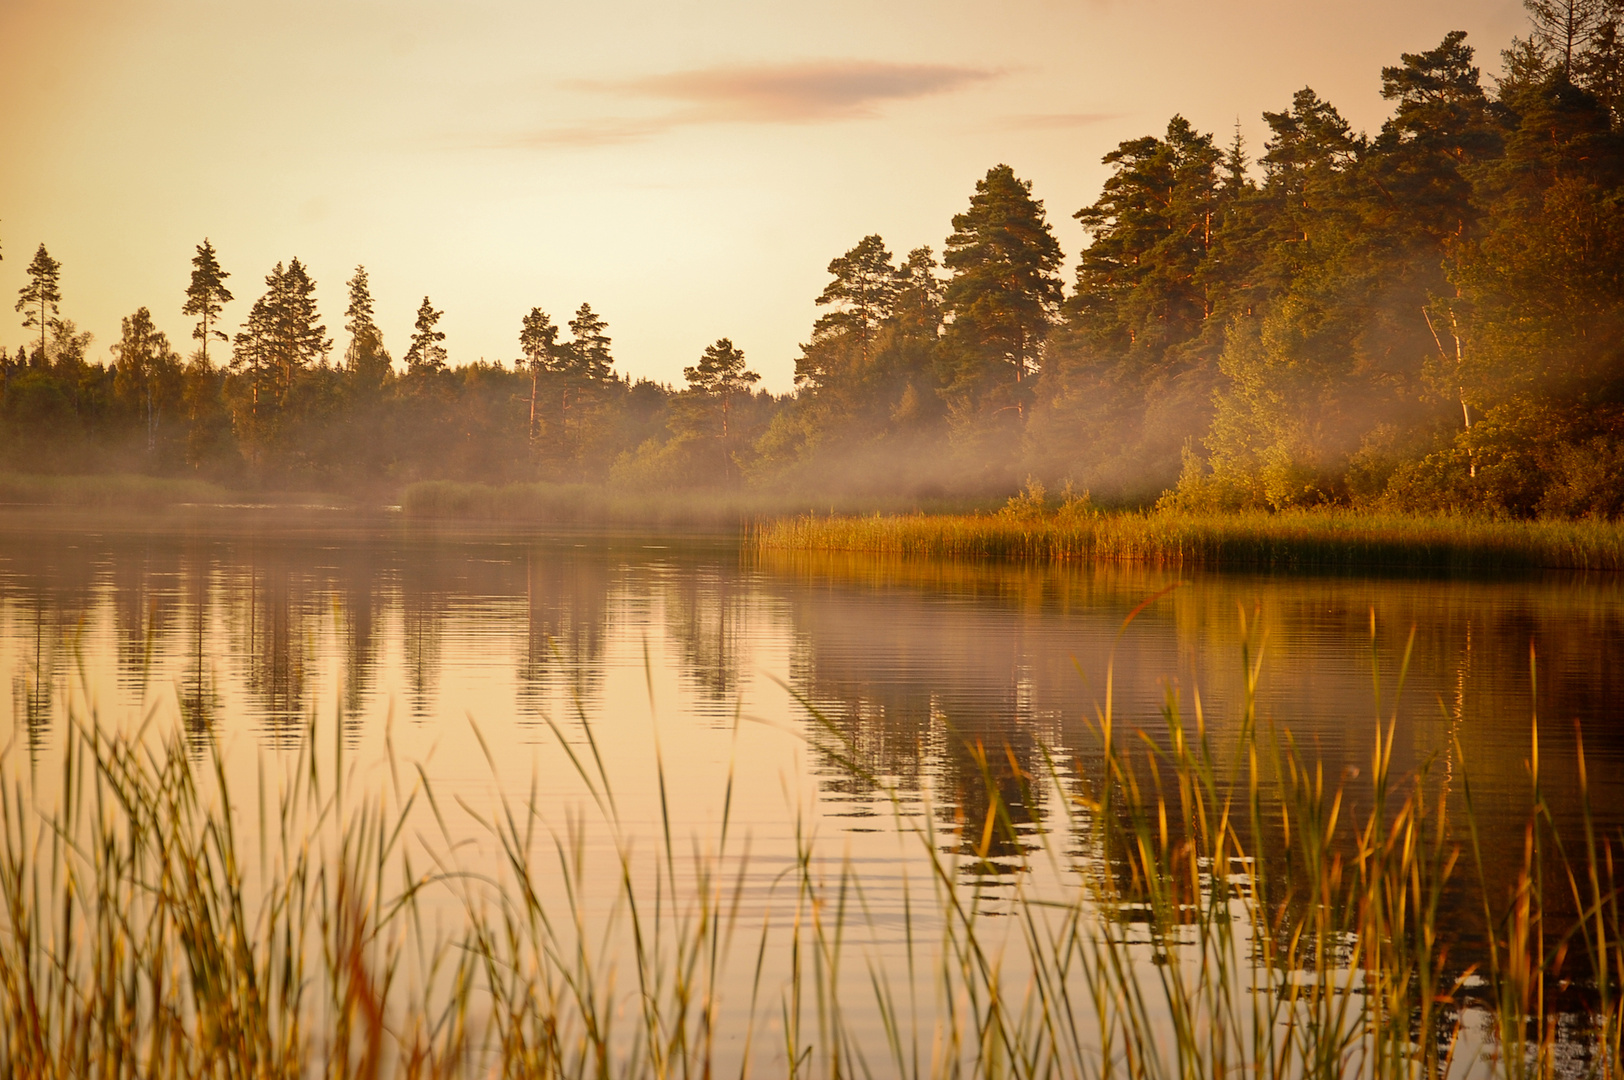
{"x":250,"y":628}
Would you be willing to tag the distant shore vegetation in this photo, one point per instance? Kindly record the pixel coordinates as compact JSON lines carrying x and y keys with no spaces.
{"x":1425,"y":320}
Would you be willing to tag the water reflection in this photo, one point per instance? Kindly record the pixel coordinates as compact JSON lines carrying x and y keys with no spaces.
{"x":945,"y":682}
{"x":196,"y":695}
{"x":964,"y":689}
{"x":924,"y":666}
{"x":566,"y":618}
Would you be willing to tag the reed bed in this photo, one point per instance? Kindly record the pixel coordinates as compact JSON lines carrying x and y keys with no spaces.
{"x":116,"y":490}
{"x":598,"y":504}
{"x":1210,"y":908}
{"x":1305,"y":540}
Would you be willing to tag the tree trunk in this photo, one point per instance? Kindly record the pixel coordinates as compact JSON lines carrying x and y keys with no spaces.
{"x":533,"y":379}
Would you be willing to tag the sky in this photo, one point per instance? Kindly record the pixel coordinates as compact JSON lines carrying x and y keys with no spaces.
{"x":689,"y":169}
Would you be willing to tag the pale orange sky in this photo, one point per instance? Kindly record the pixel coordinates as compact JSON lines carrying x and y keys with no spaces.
{"x":687,"y":168}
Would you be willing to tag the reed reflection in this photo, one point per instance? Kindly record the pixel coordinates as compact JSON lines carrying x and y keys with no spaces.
{"x":968,"y":678}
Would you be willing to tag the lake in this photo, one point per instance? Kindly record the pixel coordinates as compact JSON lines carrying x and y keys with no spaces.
{"x":826,"y":704}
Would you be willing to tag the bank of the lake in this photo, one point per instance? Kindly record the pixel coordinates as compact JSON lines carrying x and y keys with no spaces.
{"x":1321,"y":541}
{"x":123,"y":491}
{"x":546,"y":503}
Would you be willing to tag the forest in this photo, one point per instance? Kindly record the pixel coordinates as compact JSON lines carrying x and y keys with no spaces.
{"x":1427,"y":319}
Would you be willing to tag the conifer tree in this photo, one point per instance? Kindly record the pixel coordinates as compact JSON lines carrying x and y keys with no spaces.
{"x":207,"y":295}
{"x":38,"y":299}
{"x":1563,"y":30}
{"x":862,"y":297}
{"x":588,"y":353}
{"x":426,"y":354}
{"x":719,"y":376}
{"x":863,"y":293}
{"x":366,"y":360}
{"x":298,"y":339}
{"x":581,"y":368}
{"x":1439,"y":130}
{"x":280,"y":339}
{"x":538,"y":342}
{"x":1003,"y":294}
{"x":1140,"y":283}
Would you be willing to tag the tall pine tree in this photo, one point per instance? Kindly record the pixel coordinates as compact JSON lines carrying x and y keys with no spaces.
{"x":207,"y":295}
{"x":38,"y":300}
{"x":426,"y":355}
{"x":1001,"y":299}
{"x":366,"y":360}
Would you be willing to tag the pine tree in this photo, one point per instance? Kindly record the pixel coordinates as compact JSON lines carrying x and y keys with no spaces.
{"x":366,"y":360}
{"x":1563,"y":30}
{"x":207,"y":295}
{"x":38,"y":299}
{"x":588,"y":352}
{"x":426,"y":354}
{"x":538,"y":342}
{"x":1601,"y":66}
{"x":300,"y":341}
{"x":579,"y":370}
{"x":1140,"y":283}
{"x":280,"y":339}
{"x":1439,"y":130}
{"x":863,"y":294}
{"x":719,"y":376}
{"x":1002,"y":297}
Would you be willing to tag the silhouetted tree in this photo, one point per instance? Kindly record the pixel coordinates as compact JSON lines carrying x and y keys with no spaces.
{"x":281,"y":338}
{"x":38,"y":299}
{"x":365,"y":359}
{"x":147,"y":371}
{"x":719,"y":376}
{"x":1564,"y":30}
{"x":861,"y":296}
{"x":207,"y":295}
{"x":426,"y":353}
{"x":538,"y":342}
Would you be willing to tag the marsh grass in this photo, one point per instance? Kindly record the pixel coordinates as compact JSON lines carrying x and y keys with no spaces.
{"x":1195,"y":907}
{"x":129,"y":491}
{"x":1302,"y":540}
{"x":598,"y":504}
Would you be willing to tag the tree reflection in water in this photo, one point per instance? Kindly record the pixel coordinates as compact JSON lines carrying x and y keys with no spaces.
{"x":959,"y":684}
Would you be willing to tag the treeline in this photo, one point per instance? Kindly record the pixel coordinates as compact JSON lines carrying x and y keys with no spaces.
{"x":1430,"y":318}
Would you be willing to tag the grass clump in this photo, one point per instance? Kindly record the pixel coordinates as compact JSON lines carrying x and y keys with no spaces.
{"x":1292,"y":540}
{"x":1196,"y":906}
{"x":602,"y":504}
{"x":116,"y":491}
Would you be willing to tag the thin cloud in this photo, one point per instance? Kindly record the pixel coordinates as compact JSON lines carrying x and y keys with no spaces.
{"x":604,"y":132}
{"x":798,"y":92}
{"x":806,"y":92}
